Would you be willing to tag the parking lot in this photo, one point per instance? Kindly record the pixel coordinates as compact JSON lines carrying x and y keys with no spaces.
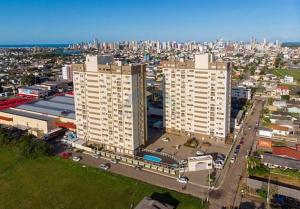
{"x":175,"y":146}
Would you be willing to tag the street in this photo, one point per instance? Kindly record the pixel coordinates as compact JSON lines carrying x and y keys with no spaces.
{"x":228,"y":192}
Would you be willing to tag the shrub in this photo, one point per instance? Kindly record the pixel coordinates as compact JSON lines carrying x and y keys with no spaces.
{"x":192,"y":142}
{"x":27,"y":145}
{"x":262,"y":193}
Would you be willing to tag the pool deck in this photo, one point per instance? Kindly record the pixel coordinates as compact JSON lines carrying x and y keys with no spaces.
{"x":164,"y":159}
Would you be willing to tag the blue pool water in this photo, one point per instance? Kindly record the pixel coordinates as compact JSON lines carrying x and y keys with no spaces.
{"x":152,"y":158}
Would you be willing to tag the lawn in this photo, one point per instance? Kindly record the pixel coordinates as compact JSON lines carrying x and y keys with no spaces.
{"x":282,"y":72}
{"x":54,"y":183}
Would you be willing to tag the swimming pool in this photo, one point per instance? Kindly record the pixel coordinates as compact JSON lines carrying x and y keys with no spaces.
{"x":152,"y":158}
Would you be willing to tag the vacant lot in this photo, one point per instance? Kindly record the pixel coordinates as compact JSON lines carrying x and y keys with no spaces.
{"x":51,"y":182}
{"x":282,"y":72}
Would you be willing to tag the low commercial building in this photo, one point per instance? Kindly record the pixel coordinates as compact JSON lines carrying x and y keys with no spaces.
{"x":34,"y":91}
{"x":36,"y":124}
{"x":56,"y":86}
{"x":42,"y":116}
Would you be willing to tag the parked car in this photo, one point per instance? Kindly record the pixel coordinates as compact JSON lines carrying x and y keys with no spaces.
{"x":159,"y":149}
{"x":218,"y":165}
{"x":138,"y":167}
{"x":232,"y":160}
{"x":96,"y":156}
{"x":220,"y":161}
{"x":183,"y":179}
{"x":236,"y":152}
{"x":105,"y":166}
{"x":221,"y":156}
{"x":114,"y":161}
{"x":66,"y":155}
{"x":76,"y":158}
{"x":199,"y":152}
{"x":165,"y":139}
{"x":183,"y":162}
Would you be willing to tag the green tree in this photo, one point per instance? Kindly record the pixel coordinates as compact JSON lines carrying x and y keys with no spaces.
{"x":278,"y":61}
{"x":285,"y":97}
{"x":270,"y":100}
{"x":28,"y":79}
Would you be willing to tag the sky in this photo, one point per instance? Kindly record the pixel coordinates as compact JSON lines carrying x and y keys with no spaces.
{"x":71,"y":21}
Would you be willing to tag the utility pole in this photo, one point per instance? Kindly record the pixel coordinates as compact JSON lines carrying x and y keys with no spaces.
{"x":268,"y":193}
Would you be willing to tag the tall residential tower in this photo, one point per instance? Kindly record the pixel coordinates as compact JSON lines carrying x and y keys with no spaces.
{"x":110,"y":104}
{"x":197,"y":97}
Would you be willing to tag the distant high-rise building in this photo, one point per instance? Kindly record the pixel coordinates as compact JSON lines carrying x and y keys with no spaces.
{"x":110,"y":104}
{"x":197,"y":97}
{"x":67,"y":72}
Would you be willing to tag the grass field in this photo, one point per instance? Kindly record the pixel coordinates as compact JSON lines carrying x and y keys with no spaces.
{"x":54,"y":183}
{"x":282,"y":72}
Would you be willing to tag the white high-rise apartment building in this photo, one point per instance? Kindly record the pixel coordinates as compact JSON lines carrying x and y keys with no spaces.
{"x":67,"y":72}
{"x":110,"y":104}
{"x":197,"y":97}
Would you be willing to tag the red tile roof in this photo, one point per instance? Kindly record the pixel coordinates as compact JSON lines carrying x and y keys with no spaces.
{"x":278,"y":127}
{"x":286,"y":151}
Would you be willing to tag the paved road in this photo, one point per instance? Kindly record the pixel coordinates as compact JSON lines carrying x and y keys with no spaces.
{"x":228,"y":193}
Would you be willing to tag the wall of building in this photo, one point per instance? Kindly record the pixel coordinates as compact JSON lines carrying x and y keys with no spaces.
{"x":197,"y":101}
{"x":31,"y":123}
{"x":110,"y":105}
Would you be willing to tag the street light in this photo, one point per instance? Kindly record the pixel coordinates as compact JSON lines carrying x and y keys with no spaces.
{"x":208,"y":185}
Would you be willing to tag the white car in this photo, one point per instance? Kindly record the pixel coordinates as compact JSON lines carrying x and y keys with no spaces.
{"x":183,"y":180}
{"x":104,"y":167}
{"x":232,"y":160}
{"x":199,"y":152}
{"x":220,"y":161}
{"x":165,"y":139}
{"x":183,"y":162}
{"x":114,"y":161}
{"x":96,"y":156}
{"x":76,"y":158}
{"x":218,"y":164}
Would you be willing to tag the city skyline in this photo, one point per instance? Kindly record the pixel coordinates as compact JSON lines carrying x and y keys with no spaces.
{"x":61,"y":22}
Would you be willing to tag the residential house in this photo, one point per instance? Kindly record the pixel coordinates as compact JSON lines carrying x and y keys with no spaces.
{"x":293,"y":108}
{"x":281,"y":90}
{"x":279,"y":130}
{"x":279,"y":161}
{"x":288,"y":79}
{"x":291,"y":152}
{"x":265,"y":132}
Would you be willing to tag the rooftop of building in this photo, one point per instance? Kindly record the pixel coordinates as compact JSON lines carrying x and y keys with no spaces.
{"x":59,"y":106}
{"x":27,"y":114}
{"x":281,"y":161}
{"x":33,"y":88}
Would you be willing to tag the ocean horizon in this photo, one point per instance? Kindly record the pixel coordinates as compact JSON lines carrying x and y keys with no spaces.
{"x":18,"y":46}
